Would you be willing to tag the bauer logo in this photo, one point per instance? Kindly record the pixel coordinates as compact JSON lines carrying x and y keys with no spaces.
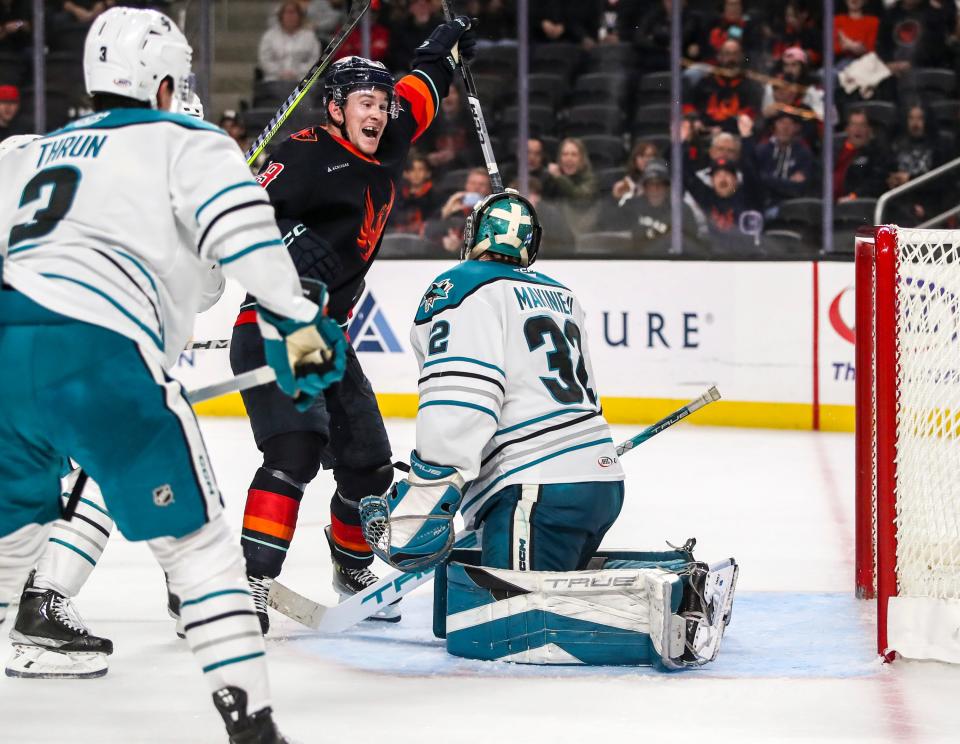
{"x":369,"y":329}
{"x":163,"y":495}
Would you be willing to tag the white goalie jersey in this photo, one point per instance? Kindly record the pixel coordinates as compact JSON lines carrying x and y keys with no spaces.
{"x":117,"y":219}
{"x":507,"y":393}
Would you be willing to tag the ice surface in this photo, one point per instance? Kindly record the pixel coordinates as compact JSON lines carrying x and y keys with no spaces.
{"x":797,"y":663}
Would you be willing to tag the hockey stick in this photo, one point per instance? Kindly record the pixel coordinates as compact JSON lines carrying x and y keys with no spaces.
{"x":259,"y":376}
{"x":473,"y":99}
{"x":293,"y":100}
{"x":398,"y":584}
{"x":213,"y":343}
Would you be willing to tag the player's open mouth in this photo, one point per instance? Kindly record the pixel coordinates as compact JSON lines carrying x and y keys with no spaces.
{"x":370,"y":132}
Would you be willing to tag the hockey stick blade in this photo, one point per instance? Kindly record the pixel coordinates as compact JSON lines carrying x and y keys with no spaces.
{"x":359,"y":607}
{"x":357,"y":11}
{"x":259,"y":376}
{"x":711,"y":395}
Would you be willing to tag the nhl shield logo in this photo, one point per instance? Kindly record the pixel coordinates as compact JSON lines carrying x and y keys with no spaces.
{"x":163,"y":495}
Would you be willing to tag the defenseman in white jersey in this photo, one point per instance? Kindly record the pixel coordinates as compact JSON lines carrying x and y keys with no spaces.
{"x":509,"y":426}
{"x":108,"y":227}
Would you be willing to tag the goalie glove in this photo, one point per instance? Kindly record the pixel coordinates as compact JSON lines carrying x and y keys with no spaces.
{"x":439,"y":45}
{"x":307,"y":357}
{"x":411,"y":525}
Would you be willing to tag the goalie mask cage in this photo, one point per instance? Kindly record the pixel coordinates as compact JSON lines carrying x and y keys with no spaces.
{"x":908,"y":438}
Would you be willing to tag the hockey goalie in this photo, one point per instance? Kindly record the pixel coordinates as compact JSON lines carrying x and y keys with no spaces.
{"x":510,"y":433}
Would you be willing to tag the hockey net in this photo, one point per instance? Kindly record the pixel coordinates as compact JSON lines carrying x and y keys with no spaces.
{"x":908,"y":438}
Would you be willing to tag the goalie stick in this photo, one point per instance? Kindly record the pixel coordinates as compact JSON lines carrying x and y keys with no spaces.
{"x":357,"y":9}
{"x":479,"y":123}
{"x":396,"y":585}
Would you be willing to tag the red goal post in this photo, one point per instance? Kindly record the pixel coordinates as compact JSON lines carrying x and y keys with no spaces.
{"x":908,"y":438}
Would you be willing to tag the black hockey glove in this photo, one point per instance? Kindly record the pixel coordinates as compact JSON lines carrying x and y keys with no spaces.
{"x":313,"y":256}
{"x":438,"y":47}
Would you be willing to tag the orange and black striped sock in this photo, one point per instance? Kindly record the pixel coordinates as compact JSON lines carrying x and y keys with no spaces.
{"x":350,"y":549}
{"x":269,"y":520}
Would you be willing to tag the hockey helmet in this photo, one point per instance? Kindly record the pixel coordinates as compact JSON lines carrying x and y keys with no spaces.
{"x":129,"y":52}
{"x":504,"y":223}
{"x":358,"y":73}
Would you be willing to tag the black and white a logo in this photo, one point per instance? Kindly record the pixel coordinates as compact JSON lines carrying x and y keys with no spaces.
{"x":163,"y":495}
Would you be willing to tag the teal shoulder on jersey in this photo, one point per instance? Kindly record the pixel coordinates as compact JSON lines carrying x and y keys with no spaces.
{"x":118,"y":118}
{"x":453,"y":286}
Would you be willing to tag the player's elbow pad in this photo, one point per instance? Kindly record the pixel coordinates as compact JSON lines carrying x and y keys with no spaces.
{"x":313,"y":255}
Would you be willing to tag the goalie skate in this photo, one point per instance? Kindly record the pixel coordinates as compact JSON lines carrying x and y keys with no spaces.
{"x":712,"y":608}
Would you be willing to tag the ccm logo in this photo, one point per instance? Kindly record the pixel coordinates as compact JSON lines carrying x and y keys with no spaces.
{"x":606,"y":462}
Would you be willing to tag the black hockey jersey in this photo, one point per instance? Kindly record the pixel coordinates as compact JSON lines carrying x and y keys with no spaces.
{"x":333,"y":188}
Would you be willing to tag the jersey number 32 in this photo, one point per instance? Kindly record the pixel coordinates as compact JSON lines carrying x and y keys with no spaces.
{"x":573,"y":381}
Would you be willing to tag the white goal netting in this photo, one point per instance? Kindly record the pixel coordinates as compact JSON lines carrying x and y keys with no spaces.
{"x":928,"y":413}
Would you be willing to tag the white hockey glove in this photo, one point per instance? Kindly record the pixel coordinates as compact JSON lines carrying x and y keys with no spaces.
{"x":411,"y":526}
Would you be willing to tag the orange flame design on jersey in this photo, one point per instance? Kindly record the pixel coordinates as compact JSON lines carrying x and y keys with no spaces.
{"x":373,"y":224}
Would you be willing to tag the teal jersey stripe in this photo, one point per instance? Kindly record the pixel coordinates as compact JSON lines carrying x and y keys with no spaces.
{"x":433,"y":89}
{"x":91,"y":504}
{"x":261,"y":542}
{"x":153,"y":336}
{"x":234,"y":660}
{"x":211,"y":595}
{"x":23,"y":248}
{"x":495,"y":481}
{"x":459,"y":404}
{"x":4,"y":604}
{"x":465,"y":359}
{"x":538,"y":419}
{"x":75,"y":550}
{"x":220,"y":193}
{"x":249,"y":249}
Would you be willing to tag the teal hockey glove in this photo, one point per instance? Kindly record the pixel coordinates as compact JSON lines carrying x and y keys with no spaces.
{"x":307,"y":357}
{"x":411,"y":525}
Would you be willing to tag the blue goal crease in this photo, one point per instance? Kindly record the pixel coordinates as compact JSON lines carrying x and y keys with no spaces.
{"x":773,"y":635}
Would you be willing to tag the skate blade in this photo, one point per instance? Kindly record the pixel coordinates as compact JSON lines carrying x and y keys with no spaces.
{"x":36,"y":662}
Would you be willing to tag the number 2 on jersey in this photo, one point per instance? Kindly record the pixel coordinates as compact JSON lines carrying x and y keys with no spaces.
{"x":574,"y":381}
{"x":63,"y":181}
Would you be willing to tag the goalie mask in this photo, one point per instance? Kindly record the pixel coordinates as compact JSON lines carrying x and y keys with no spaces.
{"x":505,"y":224}
{"x":129,"y":52}
{"x":352,"y":74}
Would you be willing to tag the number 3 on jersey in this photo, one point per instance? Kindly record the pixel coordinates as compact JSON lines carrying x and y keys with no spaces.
{"x":573,"y":382}
{"x":63,"y":182}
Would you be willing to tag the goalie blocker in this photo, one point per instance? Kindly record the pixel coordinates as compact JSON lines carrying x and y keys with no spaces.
{"x":662,"y":609}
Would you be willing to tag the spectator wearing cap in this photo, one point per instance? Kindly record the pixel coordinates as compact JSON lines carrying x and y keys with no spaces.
{"x":288,"y":51}
{"x":722,"y":204}
{"x":15,"y":32}
{"x":722,"y":96}
{"x":854,"y":32}
{"x":10,"y":120}
{"x":648,"y":215}
{"x":732,"y":24}
{"x":793,"y":86}
{"x":784,"y":164}
{"x":861,"y":166}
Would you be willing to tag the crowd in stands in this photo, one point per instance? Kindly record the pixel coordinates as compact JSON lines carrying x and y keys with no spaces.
{"x":753,"y":135}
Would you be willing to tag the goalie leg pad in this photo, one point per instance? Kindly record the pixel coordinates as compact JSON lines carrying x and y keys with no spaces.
{"x":605,"y":617}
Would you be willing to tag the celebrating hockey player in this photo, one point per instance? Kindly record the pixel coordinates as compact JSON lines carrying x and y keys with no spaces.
{"x":510,"y":432}
{"x":333,"y":187}
{"x":108,"y":226}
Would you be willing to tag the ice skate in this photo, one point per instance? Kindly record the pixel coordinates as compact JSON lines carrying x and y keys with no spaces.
{"x":349,"y":581}
{"x":244,"y":728}
{"x":260,"y":591}
{"x":50,"y":639}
